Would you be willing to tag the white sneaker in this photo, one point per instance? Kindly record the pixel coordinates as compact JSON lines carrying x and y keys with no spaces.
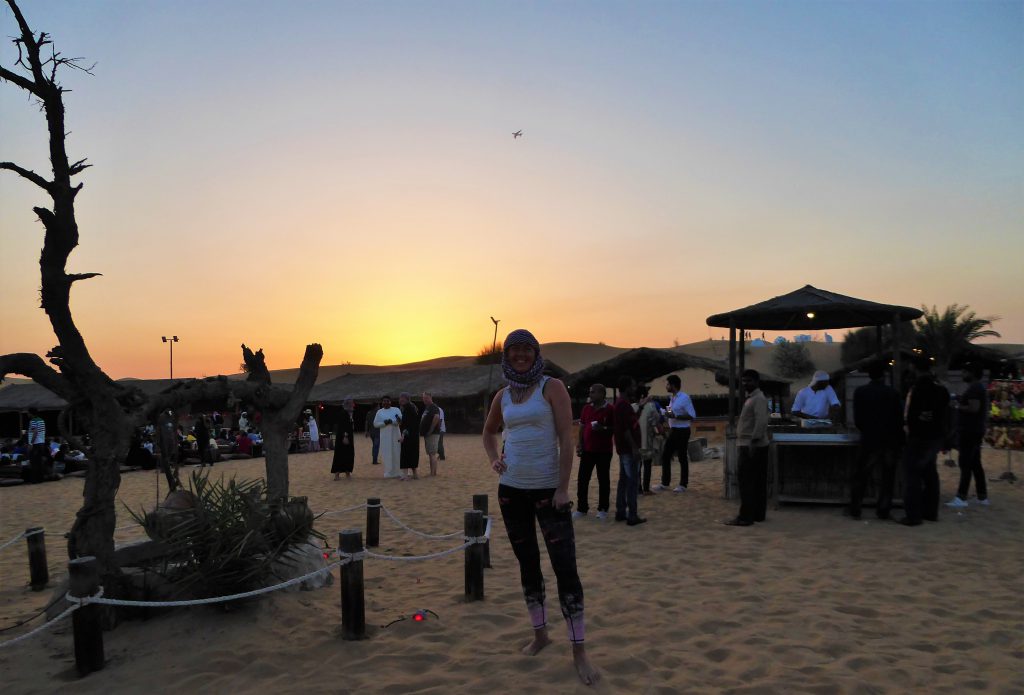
{"x":578,"y":514}
{"x":956,"y":503}
{"x":601,"y":516}
{"x":983,"y":503}
{"x":679,"y":488}
{"x":660,"y":488}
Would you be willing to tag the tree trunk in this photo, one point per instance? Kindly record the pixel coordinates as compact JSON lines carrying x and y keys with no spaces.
{"x":275,"y":448}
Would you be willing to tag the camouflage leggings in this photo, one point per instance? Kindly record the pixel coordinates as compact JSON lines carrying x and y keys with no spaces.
{"x":522,"y":510}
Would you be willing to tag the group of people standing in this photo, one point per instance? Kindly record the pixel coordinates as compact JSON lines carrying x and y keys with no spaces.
{"x":395,"y":433}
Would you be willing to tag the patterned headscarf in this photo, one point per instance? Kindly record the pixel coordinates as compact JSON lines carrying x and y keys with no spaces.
{"x":520,"y":383}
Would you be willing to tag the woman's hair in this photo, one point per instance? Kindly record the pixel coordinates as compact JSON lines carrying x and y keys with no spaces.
{"x":520,"y":383}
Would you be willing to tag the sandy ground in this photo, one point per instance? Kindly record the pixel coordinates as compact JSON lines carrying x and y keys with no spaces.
{"x":809,"y":602}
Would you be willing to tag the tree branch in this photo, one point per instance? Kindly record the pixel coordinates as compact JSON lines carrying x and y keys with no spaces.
{"x":75,"y":277}
{"x":213,"y":388}
{"x":308,"y":371}
{"x":23,"y":82}
{"x":78,"y":167}
{"x":28,"y":174}
{"x":33,"y":366}
{"x":256,"y":365}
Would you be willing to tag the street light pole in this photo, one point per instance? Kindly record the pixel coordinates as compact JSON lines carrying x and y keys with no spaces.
{"x":172,"y":340}
{"x":494,"y":344}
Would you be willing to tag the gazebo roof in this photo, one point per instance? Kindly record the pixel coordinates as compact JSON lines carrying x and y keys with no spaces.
{"x":809,"y":309}
{"x":643,"y":364}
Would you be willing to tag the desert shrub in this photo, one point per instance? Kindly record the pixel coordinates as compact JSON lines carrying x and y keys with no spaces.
{"x":792,"y":360}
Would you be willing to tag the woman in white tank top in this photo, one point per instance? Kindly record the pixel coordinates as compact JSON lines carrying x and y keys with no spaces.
{"x":534,"y":469}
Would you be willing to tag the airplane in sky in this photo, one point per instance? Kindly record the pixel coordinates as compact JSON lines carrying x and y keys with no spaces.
{"x":517,"y":134}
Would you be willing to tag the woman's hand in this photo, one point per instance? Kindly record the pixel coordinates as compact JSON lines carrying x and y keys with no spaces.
{"x":561,"y":500}
{"x":498,"y":465}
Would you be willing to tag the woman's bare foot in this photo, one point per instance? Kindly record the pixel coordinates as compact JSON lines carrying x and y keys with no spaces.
{"x":587,"y":672}
{"x":539,"y":641}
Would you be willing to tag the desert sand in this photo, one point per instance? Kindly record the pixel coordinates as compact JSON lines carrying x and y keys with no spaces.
{"x":808,"y":602}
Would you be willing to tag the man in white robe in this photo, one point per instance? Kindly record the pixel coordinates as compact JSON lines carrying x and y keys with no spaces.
{"x":388,"y":421}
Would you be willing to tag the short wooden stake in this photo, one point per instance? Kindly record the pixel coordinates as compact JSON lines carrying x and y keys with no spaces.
{"x":474,"y":526}
{"x":353,"y":600}
{"x":372,"y":522}
{"x":480,"y":502}
{"x":39,"y":574}
{"x":85,"y":581}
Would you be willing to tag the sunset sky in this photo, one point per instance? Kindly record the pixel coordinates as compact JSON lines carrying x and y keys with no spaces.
{"x":345,"y":173}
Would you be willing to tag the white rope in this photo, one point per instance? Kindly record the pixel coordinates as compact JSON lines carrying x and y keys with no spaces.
{"x":13,"y":540}
{"x":42,"y":627}
{"x":440,"y":536}
{"x":346,"y":509}
{"x":122,"y":528}
{"x":214,"y":599}
{"x":415,"y":558}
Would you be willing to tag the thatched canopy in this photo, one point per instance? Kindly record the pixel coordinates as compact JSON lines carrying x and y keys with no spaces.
{"x":811,"y":309}
{"x":643,"y":364}
{"x":445,"y":383}
{"x":21,"y":397}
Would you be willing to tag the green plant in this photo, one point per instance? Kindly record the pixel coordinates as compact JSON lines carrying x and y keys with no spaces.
{"x":489,"y":354}
{"x":225,"y":538}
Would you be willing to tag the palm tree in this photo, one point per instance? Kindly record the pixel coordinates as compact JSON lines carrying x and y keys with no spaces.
{"x":945,"y":336}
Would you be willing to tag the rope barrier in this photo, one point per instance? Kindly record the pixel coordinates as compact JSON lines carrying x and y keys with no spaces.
{"x":347,"y":509}
{"x":416,"y":558}
{"x":441,"y":536}
{"x":13,"y":540}
{"x":42,"y":627}
{"x":213,"y":599}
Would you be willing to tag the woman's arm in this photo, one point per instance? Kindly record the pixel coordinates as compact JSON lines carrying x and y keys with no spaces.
{"x":561,"y":406}
{"x":492,"y":429}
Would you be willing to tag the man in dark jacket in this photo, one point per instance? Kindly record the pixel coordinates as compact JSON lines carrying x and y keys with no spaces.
{"x":878,"y":415}
{"x":927,"y":415}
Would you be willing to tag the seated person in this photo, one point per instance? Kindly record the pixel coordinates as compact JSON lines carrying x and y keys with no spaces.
{"x":817,"y":400}
{"x":243,"y":445}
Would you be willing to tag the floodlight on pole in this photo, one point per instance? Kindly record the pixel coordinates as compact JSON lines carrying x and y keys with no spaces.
{"x":494,"y":348}
{"x":171,"y":341}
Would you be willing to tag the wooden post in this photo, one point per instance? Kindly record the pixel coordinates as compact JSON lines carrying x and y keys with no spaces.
{"x":474,"y":526}
{"x":353,"y":599}
{"x":39,"y":574}
{"x":897,"y":356}
{"x":85,"y":581}
{"x":480,"y":503}
{"x":372,"y":522}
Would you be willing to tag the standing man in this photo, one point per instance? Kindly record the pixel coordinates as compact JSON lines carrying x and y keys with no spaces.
{"x":927,"y":415}
{"x":972,"y":411}
{"x":680,"y":414}
{"x":202,"y":433}
{"x":817,"y":400}
{"x":410,"y":438}
{"x":388,"y":421}
{"x":430,"y":423}
{"x":314,"y":431}
{"x":595,"y":451}
{"x":370,"y":430}
{"x":752,"y":441}
{"x":652,"y":437}
{"x":441,"y":429}
{"x":627,"y":445}
{"x":878,"y":415}
{"x":38,"y":452}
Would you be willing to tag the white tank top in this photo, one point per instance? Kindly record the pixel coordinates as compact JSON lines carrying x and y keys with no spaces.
{"x":531,"y":444}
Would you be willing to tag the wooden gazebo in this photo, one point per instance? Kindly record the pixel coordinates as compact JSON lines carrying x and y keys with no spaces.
{"x":806,"y":309}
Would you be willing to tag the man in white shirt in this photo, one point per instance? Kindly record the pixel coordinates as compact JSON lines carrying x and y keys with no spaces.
{"x":680,"y":414}
{"x":388,"y":421}
{"x":817,"y":400}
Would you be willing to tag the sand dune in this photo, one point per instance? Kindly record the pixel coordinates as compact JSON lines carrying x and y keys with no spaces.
{"x":807,"y":602}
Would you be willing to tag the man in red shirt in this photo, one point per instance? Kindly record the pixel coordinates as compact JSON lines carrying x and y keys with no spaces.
{"x":595,"y":451}
{"x":627,"y":444}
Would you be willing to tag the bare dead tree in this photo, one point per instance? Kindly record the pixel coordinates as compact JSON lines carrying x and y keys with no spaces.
{"x":110,"y":410}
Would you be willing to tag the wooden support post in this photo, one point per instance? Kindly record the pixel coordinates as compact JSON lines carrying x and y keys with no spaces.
{"x":85,"y":581}
{"x":372,"y":522}
{"x":474,"y":526}
{"x":39,"y":574}
{"x":353,"y":599}
{"x":480,"y":503}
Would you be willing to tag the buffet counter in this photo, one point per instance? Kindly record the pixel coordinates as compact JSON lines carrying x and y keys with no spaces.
{"x":812,"y":464}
